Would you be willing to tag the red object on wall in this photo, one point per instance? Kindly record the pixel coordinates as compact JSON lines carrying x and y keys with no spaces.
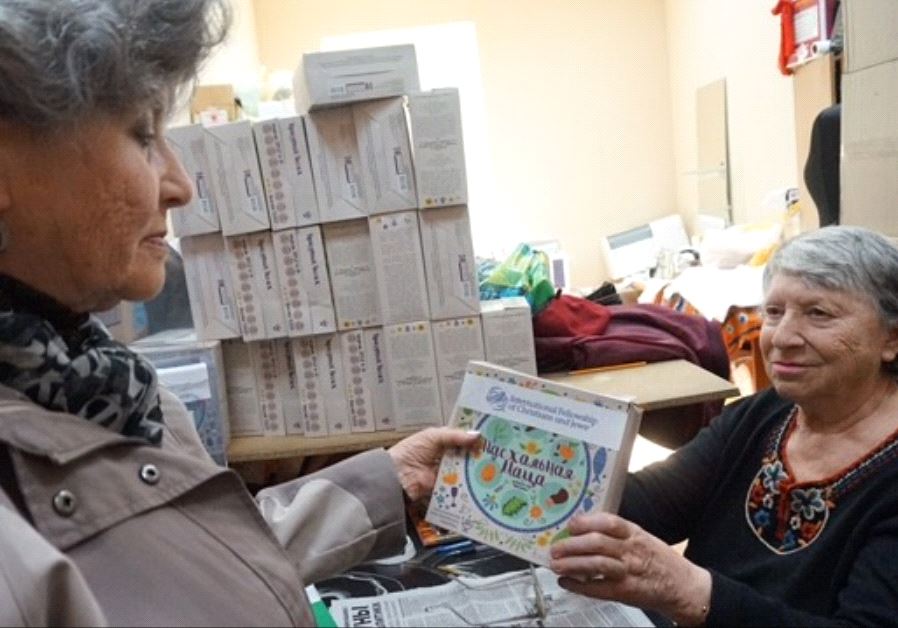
{"x":803,"y":25}
{"x":786,"y":10}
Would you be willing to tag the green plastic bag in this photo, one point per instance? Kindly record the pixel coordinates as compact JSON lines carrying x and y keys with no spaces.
{"x":524,"y":273}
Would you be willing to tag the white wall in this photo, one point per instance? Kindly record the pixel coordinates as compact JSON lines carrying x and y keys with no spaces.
{"x":737,"y":41}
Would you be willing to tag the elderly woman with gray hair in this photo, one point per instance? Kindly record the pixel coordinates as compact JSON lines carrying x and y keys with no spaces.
{"x":789,"y":499}
{"x":110,"y":510}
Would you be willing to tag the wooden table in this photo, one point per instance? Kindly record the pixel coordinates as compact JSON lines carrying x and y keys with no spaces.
{"x":654,"y":386}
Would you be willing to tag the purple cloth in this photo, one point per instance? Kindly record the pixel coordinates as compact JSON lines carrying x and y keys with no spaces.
{"x":650,"y":333}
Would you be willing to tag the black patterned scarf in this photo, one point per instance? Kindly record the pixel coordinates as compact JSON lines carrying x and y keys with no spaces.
{"x":68,"y":362}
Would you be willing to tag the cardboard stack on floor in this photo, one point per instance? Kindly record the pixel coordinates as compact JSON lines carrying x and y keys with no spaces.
{"x":331,"y":254}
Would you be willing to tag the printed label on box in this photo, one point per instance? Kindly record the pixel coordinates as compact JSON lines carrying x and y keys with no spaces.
{"x":435,"y":119}
{"x":449,"y":263}
{"x":213,"y":302}
{"x":284,"y":160}
{"x":334,"y":150}
{"x":413,"y":375}
{"x":350,"y":263}
{"x":308,"y":371}
{"x":305,"y":286}
{"x":379,"y":379}
{"x":194,"y":147}
{"x":267,"y":383}
{"x":383,"y":141}
{"x":259,"y":302}
{"x":288,"y":388}
{"x":457,"y":341}
{"x":356,"y":367}
{"x":508,"y":333}
{"x":399,"y":267}
{"x":238,"y":180}
{"x":332,"y":382}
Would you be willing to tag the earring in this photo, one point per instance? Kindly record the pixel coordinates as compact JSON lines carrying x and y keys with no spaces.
{"x":4,"y":236}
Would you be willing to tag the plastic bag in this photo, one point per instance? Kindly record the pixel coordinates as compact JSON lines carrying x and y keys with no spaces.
{"x":524,"y":273}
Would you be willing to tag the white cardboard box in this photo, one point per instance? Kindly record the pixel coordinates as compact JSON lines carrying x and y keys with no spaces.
{"x":308,"y":372}
{"x":342,"y":76}
{"x":414,"y":387}
{"x":456,"y":341}
{"x":238,"y":180}
{"x":336,"y":165}
{"x":194,"y":147}
{"x":254,"y":272}
{"x":869,"y":164}
{"x":449,"y":263}
{"x":287,"y":172}
{"x":438,"y":148}
{"x":305,"y":285}
{"x":213,"y":302}
{"x":356,"y":366}
{"x":379,"y":378}
{"x":508,"y":333}
{"x":332,"y":382}
{"x":244,"y":403}
{"x":387,"y":173}
{"x":288,"y":387}
{"x":871,"y":33}
{"x":399,"y":267}
{"x":350,"y":263}
{"x":268,"y":385}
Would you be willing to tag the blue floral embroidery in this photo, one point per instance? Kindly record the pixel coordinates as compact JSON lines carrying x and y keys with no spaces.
{"x":808,"y":502}
{"x":773,"y":475}
{"x":788,"y":517}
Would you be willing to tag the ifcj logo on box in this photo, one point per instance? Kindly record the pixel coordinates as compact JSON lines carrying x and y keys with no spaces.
{"x":497,"y":398}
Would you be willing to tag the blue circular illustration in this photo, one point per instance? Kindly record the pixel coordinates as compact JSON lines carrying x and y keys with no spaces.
{"x":526,"y":479}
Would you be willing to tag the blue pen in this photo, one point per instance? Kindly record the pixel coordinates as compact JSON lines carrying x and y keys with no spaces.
{"x":454,"y":549}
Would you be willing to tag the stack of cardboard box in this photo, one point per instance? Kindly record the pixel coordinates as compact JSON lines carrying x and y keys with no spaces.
{"x":869,"y":128}
{"x":331,"y":252}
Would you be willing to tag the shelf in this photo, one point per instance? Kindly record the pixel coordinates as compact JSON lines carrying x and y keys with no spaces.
{"x":251,"y":448}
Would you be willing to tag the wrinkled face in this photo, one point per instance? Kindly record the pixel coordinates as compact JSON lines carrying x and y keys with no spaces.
{"x":86,"y":210}
{"x":818,"y":343}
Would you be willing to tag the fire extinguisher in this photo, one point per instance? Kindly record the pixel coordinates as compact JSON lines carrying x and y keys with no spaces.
{"x":786,"y":10}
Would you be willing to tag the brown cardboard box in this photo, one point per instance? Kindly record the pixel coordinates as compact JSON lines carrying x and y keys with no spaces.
{"x":870,"y":148}
{"x":209,"y":100}
{"x":871,"y":33}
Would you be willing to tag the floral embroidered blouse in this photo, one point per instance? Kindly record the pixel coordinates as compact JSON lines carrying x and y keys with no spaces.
{"x":780,"y":552}
{"x":787,"y":516}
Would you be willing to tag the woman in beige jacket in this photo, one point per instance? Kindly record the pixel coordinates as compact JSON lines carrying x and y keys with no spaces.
{"x":110,"y":510}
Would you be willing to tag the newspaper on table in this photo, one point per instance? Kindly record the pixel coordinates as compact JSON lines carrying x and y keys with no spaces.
{"x":505,"y":600}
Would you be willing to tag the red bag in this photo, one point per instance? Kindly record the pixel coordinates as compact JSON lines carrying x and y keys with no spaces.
{"x":567,"y":315}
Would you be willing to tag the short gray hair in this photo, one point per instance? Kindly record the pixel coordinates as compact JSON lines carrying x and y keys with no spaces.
{"x":851,"y":259}
{"x":62,"y":61}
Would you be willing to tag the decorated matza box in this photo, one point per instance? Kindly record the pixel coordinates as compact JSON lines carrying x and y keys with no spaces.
{"x":549,"y":452}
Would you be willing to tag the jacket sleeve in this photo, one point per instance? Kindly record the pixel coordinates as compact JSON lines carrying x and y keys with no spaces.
{"x":336,"y":518}
{"x":39,"y":586}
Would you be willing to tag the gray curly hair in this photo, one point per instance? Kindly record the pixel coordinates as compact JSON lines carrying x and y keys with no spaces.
{"x":64,"y":60}
{"x":848,"y":259}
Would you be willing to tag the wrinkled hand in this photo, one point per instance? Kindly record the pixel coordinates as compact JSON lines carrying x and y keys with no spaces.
{"x":417,"y":458}
{"x":609,"y":557}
